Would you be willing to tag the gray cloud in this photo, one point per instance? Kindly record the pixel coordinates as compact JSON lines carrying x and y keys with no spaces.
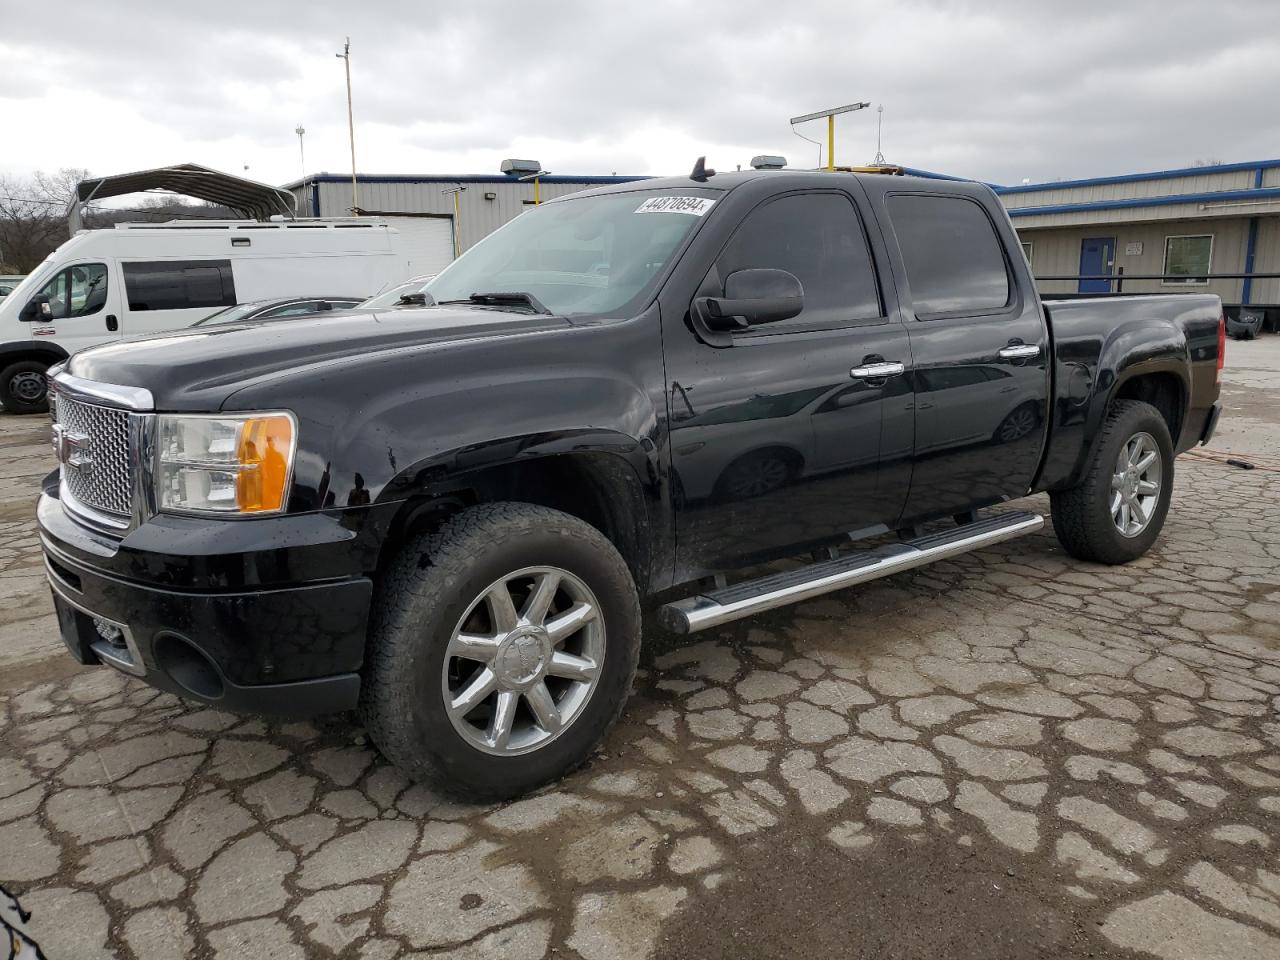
{"x":999,"y":90}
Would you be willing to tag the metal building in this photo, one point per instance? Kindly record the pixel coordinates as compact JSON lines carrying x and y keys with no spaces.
{"x":1216,"y":219}
{"x":423,"y":206}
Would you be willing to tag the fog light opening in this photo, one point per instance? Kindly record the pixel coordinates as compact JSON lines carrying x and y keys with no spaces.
{"x":188,"y":667}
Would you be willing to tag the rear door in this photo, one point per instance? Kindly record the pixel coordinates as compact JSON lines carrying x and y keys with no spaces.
{"x":980,"y":350}
{"x":774,"y":442}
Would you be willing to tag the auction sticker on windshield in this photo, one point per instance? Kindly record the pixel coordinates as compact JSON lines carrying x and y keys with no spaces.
{"x":694,"y":206}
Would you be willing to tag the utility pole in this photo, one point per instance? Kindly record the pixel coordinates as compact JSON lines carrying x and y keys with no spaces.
{"x":345,"y":56}
{"x":302,"y":157}
{"x":831,"y":126}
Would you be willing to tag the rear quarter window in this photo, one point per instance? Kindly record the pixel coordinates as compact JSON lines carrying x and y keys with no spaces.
{"x":953,"y":256}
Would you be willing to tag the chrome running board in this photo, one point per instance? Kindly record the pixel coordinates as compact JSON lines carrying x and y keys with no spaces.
{"x":777,"y":590}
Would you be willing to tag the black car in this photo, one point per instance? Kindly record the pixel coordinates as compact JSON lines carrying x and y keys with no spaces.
{"x":279,"y":309}
{"x":447,"y":516}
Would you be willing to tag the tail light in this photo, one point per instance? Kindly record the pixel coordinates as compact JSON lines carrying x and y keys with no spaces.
{"x":1222,"y":346}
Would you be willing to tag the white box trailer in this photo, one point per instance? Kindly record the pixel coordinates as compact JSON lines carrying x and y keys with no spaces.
{"x":140,"y":279}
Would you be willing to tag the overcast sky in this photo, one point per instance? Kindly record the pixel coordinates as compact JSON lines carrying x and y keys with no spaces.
{"x":999,"y":90}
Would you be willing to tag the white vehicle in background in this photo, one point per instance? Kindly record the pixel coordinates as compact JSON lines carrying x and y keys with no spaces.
{"x":7,"y":284}
{"x":140,"y":279}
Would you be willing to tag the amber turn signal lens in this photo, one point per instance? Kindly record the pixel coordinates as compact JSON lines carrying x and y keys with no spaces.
{"x":264,"y":451}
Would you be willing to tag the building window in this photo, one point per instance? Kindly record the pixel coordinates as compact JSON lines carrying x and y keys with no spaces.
{"x":1187,"y":257}
{"x":1026,"y":251}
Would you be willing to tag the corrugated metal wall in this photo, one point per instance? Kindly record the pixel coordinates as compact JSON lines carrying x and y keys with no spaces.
{"x":1178,"y":211}
{"x":1057,"y":252}
{"x":1047,"y":194}
{"x":1266,"y":259}
{"x":479,"y":216}
{"x":1055,"y":237}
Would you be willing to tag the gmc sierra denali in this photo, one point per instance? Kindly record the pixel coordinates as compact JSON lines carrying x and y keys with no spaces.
{"x":446,"y":516}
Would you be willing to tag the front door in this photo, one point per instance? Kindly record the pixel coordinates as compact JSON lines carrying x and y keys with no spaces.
{"x":774,"y":443}
{"x":1097,"y":258}
{"x":84,"y":306}
{"x":981,"y":355}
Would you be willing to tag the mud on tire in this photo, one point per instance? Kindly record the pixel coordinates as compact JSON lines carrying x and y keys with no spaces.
{"x":438,"y":597}
{"x":1083,"y":516}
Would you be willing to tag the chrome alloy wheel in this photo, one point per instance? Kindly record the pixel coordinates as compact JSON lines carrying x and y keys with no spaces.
{"x":523,"y":661}
{"x":1135,"y":485}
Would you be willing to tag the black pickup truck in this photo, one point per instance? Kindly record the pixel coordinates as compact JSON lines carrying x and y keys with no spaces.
{"x":447,"y":516}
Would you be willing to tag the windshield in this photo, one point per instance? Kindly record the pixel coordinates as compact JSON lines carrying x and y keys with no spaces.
{"x":389,"y":298}
{"x":231,"y":314}
{"x":588,"y":255}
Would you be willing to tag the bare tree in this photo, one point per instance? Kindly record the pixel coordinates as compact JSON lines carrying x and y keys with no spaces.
{"x":33,"y":216}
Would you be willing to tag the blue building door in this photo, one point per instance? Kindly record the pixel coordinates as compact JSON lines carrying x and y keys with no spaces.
{"x":1097,"y":256}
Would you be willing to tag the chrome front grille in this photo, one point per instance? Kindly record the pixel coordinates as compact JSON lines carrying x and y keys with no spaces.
{"x":92,"y":444}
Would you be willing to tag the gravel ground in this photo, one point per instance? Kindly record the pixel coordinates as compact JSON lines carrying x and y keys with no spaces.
{"x":1012,"y":754}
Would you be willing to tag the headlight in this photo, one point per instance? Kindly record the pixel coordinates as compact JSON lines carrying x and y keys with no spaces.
{"x":225,"y":464}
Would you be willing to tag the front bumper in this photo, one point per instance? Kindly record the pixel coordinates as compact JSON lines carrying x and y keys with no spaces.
{"x":292,"y":648}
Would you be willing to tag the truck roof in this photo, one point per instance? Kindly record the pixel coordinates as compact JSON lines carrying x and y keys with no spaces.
{"x":728,"y":180}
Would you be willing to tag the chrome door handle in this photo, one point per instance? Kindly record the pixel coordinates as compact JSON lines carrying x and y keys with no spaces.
{"x":876,"y":371}
{"x":1020,"y":351}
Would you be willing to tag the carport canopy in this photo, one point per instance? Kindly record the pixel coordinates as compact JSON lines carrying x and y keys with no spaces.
{"x":249,"y":198}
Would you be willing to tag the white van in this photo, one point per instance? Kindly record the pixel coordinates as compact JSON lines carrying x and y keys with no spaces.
{"x":139,"y":279}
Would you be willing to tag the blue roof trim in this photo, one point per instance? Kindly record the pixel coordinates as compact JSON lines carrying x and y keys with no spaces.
{"x":930,"y":175}
{"x":1182,"y":198}
{"x":456,"y":178}
{"x":1133,"y":177}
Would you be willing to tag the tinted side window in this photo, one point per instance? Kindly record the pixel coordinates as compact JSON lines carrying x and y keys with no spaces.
{"x":179,"y":284}
{"x":954,"y":260}
{"x":819,"y":238}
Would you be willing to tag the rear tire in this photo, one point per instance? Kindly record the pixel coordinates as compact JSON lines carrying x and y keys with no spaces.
{"x":24,"y":387}
{"x":440,"y":629}
{"x":1117,"y":491}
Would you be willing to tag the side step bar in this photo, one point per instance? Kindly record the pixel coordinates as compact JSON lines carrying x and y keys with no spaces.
{"x":777,"y":590}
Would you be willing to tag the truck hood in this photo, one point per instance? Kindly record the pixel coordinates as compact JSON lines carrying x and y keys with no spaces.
{"x":198,"y":368}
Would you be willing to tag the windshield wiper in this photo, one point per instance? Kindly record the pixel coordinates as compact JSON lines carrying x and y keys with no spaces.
{"x":505,"y":298}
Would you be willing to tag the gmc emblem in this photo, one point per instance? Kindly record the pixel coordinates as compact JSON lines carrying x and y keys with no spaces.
{"x":72,"y":449}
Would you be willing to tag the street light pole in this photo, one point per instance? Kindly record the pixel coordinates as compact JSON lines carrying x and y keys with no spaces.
{"x":457,"y":218}
{"x":831,"y":126}
{"x":302,"y":157}
{"x":537,"y":184}
{"x":345,"y":56}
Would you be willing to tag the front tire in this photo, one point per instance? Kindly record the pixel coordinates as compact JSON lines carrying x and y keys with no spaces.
{"x":24,"y":387}
{"x":1116,"y":512}
{"x":501,"y":650}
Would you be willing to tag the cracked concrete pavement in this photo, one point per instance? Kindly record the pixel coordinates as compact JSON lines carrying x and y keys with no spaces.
{"x":1011,"y":754}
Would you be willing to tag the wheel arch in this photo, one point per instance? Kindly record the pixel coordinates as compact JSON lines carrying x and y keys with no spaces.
{"x":600,"y":488}
{"x":13,"y":351}
{"x":1163,"y":389}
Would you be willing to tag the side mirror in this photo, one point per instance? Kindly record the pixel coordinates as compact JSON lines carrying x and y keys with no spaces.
{"x":760,"y":295}
{"x":35,"y":310}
